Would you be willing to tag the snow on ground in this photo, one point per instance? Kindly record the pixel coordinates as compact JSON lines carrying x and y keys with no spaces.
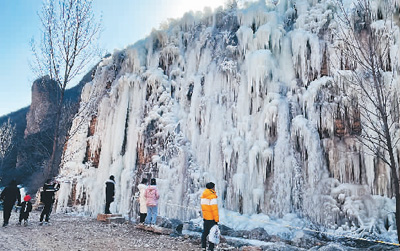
{"x":74,"y":232}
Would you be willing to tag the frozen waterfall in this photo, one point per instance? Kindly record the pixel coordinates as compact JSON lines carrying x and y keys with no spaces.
{"x":244,"y":98}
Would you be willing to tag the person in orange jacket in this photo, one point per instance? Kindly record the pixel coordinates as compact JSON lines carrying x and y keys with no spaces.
{"x":209,"y":207}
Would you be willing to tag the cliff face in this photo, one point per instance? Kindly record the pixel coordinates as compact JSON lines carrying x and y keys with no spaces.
{"x":33,"y":140}
{"x":43,"y":109}
{"x":34,"y":130}
{"x":245,"y":98}
{"x":41,"y":118}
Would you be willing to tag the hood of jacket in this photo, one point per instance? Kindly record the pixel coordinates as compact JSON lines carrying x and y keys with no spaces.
{"x":209,"y":194}
{"x":110,"y":181}
{"x":152,"y":187}
{"x":142,"y":187}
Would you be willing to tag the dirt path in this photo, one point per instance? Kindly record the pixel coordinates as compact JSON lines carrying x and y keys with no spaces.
{"x":66,"y":232}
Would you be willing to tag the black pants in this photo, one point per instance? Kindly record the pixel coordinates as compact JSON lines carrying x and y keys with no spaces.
{"x":107,"y":209}
{"x":23,"y":216}
{"x":208,"y":224}
{"x":142,"y":218}
{"x":7,"y":212}
{"x":46,"y":211}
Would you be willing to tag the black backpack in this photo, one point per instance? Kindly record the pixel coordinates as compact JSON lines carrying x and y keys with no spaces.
{"x":47,"y":197}
{"x":42,"y":195}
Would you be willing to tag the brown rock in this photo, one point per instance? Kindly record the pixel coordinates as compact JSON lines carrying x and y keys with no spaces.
{"x":41,"y":115}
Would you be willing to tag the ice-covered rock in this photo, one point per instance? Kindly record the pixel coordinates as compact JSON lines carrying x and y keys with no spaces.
{"x":241,"y":97}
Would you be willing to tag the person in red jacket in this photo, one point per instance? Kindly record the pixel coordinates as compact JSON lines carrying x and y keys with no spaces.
{"x":209,"y":207}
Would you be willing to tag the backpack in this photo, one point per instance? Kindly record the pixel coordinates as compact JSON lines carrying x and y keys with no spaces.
{"x":42,"y":195}
{"x":47,"y":197}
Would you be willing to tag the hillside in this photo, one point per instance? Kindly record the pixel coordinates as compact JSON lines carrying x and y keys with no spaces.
{"x":32,"y":141}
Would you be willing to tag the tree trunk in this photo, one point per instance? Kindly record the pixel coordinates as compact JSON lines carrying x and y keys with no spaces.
{"x":395,"y":177}
{"x":395,"y":180}
{"x":397,"y":214}
{"x":49,"y":171}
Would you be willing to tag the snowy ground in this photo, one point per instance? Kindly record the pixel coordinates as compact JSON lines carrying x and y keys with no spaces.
{"x":66,"y":232}
{"x":72,"y":232}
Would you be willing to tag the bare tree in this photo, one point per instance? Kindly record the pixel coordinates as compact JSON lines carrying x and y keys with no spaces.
{"x":7,"y":132}
{"x":365,"y":39}
{"x":68,"y":45}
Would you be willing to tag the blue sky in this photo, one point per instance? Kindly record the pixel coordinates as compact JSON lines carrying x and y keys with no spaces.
{"x":124,"y":22}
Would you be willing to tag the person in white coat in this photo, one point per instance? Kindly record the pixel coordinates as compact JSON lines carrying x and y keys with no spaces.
{"x":142,"y":201}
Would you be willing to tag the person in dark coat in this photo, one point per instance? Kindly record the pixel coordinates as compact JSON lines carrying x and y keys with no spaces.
{"x":26,"y":208}
{"x":9,"y":196}
{"x":110,"y":192}
{"x":47,"y":198}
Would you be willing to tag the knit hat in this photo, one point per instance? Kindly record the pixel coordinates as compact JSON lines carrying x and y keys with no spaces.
{"x":27,"y":198}
{"x":210,"y":185}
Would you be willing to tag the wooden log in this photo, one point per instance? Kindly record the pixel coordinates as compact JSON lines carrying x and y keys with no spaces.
{"x":104,"y":217}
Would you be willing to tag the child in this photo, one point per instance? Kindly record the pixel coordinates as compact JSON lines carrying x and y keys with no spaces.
{"x":26,"y":208}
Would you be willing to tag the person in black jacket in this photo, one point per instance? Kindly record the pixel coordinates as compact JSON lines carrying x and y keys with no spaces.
{"x":47,"y":198}
{"x":110,"y":192}
{"x":9,"y":195}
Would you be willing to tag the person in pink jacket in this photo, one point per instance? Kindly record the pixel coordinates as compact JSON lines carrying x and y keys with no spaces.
{"x":152,"y":197}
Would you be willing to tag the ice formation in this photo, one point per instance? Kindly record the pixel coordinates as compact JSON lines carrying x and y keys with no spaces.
{"x":241,"y":97}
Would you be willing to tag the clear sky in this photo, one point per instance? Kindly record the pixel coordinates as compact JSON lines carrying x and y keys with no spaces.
{"x":124,"y":23}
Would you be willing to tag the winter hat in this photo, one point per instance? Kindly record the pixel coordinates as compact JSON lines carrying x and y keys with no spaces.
{"x":210,"y":185}
{"x":144,"y":181}
{"x":153,"y":182}
{"x":27,"y":198}
{"x":112,"y":177}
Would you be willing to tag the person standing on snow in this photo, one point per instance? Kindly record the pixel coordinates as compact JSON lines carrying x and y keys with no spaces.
{"x":26,"y":208}
{"x":47,"y":198}
{"x":142,"y":201}
{"x":9,"y":195}
{"x":209,"y":207}
{"x":152,"y":197}
{"x":110,"y":192}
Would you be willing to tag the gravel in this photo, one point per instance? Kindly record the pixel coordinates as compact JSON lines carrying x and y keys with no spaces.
{"x":71,"y":232}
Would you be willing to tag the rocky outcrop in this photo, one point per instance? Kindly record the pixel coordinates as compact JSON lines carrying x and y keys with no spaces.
{"x":34,"y":129}
{"x":42,"y":112}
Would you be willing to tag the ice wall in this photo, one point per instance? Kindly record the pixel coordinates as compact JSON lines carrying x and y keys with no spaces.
{"x":245,"y":98}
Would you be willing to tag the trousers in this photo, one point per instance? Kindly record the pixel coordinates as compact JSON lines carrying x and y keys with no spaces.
{"x":208,"y":224}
